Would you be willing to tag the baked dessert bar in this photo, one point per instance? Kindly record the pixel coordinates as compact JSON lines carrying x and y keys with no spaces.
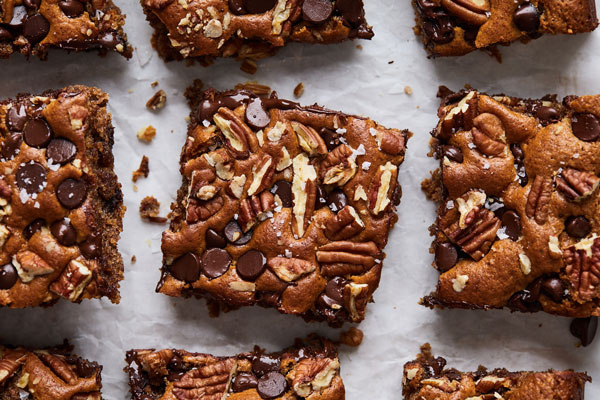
{"x":457,"y":27}
{"x":31,"y":27}
{"x":426,"y":378}
{"x":519,"y":207}
{"x":61,"y":205}
{"x":281,"y":205}
{"x":48,"y":374}
{"x":247,"y":29}
{"x":308,"y":370}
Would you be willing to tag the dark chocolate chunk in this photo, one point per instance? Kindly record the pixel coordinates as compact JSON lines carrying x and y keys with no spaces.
{"x":31,"y":177}
{"x":271,"y":385}
{"x":512,"y":224}
{"x":547,"y":114}
{"x":37,"y":133}
{"x":237,"y":7}
{"x":453,"y":153}
{"x":64,"y":232}
{"x":526,"y":18}
{"x":446,"y":256}
{"x":259,"y":6}
{"x":256,"y":115}
{"x":8,"y":276}
{"x":12,"y":145}
{"x":584,"y":329}
{"x":321,"y":200}
{"x":335,"y":289}
{"x":215,"y":262}
{"x":16,"y":118}
{"x":35,"y":28}
{"x":251,"y":265}
{"x":71,"y":8}
{"x":336,"y":200}
{"x":61,"y":151}
{"x":32,"y":4}
{"x":330,"y":137}
{"x":578,"y":227}
{"x":519,"y":161}
{"x":283,"y":189}
{"x":586,"y":126}
{"x":33,"y":227}
{"x":351,"y":10}
{"x":440,"y":30}
{"x":214,"y":239}
{"x":233,"y":234}
{"x":186,"y":268}
{"x":91,"y":247}
{"x":554,"y":288}
{"x":317,"y":11}
{"x":243,"y":381}
{"x":71,"y":193}
{"x":265,"y":363}
{"x":5,"y":35}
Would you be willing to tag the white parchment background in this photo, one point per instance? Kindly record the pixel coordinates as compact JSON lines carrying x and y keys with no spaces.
{"x":339,"y":77}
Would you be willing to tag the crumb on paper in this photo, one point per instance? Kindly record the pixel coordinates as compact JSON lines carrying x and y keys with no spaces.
{"x":142,"y":171}
{"x":133,"y":259}
{"x":249,"y":67}
{"x":135,"y":188}
{"x":157,"y":101}
{"x":352,"y":337}
{"x":254,"y":87}
{"x":391,"y":62}
{"x":408,"y":90}
{"x":154,"y":84}
{"x":149,"y":210}
{"x":147,"y":134}
{"x":359,"y":46}
{"x":130,"y":91}
{"x":299,"y":90}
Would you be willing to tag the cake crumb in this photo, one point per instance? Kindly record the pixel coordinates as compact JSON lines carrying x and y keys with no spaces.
{"x":149,"y":210}
{"x":133,"y":259}
{"x":352,"y":337}
{"x":249,"y":67}
{"x":408,"y":90}
{"x":359,"y":46}
{"x":154,"y":84}
{"x":157,"y":101}
{"x":135,"y":188}
{"x":143,"y":170}
{"x":299,"y":90}
{"x":147,"y":134}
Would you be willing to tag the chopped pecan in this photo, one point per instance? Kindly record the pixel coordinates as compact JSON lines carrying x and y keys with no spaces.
{"x":290,"y":269}
{"x":155,"y":362}
{"x":235,"y":131}
{"x":539,"y":199}
{"x":458,"y":117}
{"x":583,"y":267}
{"x":488,"y":134}
{"x":262,"y":172}
{"x":222,"y":163}
{"x":343,"y":225}
{"x":9,"y":363}
{"x":304,"y":192}
{"x":29,"y":265}
{"x":200,"y":210}
{"x":444,"y":383}
{"x":338,"y":167}
{"x":73,"y":280}
{"x":313,"y":375}
{"x":473,"y":12}
{"x":58,"y":365}
{"x":309,"y":139}
{"x":346,"y":258}
{"x":255,"y":208}
{"x":358,"y":296}
{"x":382,"y":187}
{"x":577,"y":185}
{"x":210,"y":381}
{"x":5,"y":191}
{"x":390,"y":141}
{"x":150,"y":210}
{"x":157,"y":101}
{"x":236,"y":186}
{"x":489,"y":383}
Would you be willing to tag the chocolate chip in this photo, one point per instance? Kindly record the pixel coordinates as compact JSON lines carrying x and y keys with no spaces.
{"x":578,"y":227}
{"x":33,"y":227}
{"x":237,"y":7}
{"x":8,"y":276}
{"x":336,"y":200}
{"x":71,"y":8}
{"x":215,"y":262}
{"x":12,"y":145}
{"x":64,"y":232}
{"x":35,"y":28}
{"x":526,"y":18}
{"x":16,"y":118}
{"x":446,"y":256}
{"x":519,"y":161}
{"x":214,"y":239}
{"x":265,"y":363}
{"x":186,"y":268}
{"x":283,"y":189}
{"x":330,"y":137}
{"x":548,"y":114}
{"x":335,"y":289}
{"x":234,"y":234}
{"x":523,"y":301}
{"x":321,"y":200}
{"x":271,"y":385}
{"x":317,"y":11}
{"x":31,"y":177}
{"x":243,"y":381}
{"x":512,"y":224}
{"x":251,"y":264}
{"x":71,"y":193}
{"x":453,"y":153}
{"x":586,"y":126}
{"x":61,"y":151}
{"x":32,"y":4}
{"x":37,"y":133}
{"x":351,"y":10}
{"x":5,"y":35}
{"x":259,"y":6}
{"x":584,"y":329}
{"x":256,"y":116}
{"x":91,"y":247}
{"x":440,"y":30}
{"x":554,"y":288}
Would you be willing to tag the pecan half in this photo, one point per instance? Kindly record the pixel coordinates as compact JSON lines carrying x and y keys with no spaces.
{"x":343,"y":225}
{"x":382,"y":188}
{"x":309,"y":139}
{"x":29,"y":265}
{"x":313,"y":375}
{"x":254,"y":209}
{"x":262,"y":172}
{"x":9,"y":363}
{"x":390,"y":141}
{"x":210,"y":381}
{"x":73,"y":280}
{"x":304,"y":191}
{"x":235,"y":132}
{"x":473,"y":12}
{"x":489,"y":135}
{"x":201,"y":210}
{"x":577,"y":185}
{"x":338,"y":167}
{"x":583,"y":267}
{"x":58,"y":365}
{"x":290,"y":269}
{"x":347,"y":258}
{"x":539,"y":199}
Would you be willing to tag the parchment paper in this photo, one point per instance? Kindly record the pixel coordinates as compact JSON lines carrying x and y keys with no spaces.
{"x":371,"y":82}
